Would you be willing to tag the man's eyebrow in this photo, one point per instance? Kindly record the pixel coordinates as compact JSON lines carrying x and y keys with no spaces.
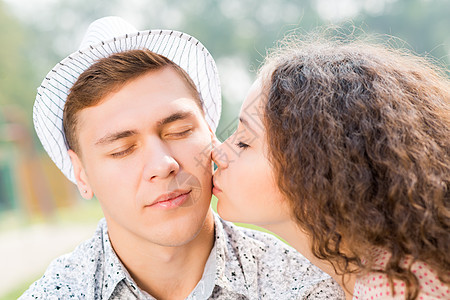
{"x":175,"y":117}
{"x":112,"y":137}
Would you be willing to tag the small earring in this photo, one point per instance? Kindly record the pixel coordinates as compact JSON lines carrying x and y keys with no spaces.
{"x":84,"y":191}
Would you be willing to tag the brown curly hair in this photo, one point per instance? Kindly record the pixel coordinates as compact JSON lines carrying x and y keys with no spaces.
{"x":359,"y":138}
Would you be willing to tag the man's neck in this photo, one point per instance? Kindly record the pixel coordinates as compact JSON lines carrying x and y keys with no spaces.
{"x":168,"y":272}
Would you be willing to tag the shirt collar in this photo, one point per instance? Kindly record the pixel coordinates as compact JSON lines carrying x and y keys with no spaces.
{"x":235,"y":266}
{"x":206,"y":285}
{"x":114,"y":271}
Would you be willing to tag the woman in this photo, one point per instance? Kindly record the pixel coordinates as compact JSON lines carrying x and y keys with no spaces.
{"x":343,"y":149}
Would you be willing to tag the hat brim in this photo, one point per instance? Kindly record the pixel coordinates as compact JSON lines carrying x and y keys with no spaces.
{"x":181,"y":48}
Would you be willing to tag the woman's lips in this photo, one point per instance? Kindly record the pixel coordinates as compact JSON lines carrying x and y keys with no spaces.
{"x":216,"y":190}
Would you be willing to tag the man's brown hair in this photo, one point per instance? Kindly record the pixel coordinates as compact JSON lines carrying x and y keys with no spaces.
{"x":359,"y":138}
{"x":108,"y":75}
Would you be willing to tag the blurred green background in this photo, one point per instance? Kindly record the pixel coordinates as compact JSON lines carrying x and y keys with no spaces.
{"x":41,"y":215}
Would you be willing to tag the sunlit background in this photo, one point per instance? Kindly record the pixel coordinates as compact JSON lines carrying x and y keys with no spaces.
{"x":41,"y":214}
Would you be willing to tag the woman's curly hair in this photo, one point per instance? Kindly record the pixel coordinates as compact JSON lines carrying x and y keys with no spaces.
{"x":359,"y":138}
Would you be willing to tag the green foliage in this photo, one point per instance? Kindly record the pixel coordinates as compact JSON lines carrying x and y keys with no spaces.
{"x":229,"y":28}
{"x":15,"y":71}
{"x":422,"y":24}
{"x":17,"y":291}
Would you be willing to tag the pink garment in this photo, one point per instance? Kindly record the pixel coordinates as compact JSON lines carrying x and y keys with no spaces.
{"x":376,"y":285}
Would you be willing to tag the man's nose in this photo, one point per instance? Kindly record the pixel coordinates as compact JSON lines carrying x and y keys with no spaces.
{"x":159,"y":162}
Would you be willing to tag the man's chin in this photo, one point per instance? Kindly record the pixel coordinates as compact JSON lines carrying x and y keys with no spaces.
{"x":186,"y":228}
{"x":179,"y":235}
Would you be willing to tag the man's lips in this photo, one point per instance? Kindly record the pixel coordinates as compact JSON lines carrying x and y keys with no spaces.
{"x":171,"y":199}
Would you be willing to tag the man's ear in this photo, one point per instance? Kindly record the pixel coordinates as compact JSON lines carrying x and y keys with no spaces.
{"x":80,"y":176}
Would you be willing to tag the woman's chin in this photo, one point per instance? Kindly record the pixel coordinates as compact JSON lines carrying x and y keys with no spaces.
{"x":233,"y":216}
{"x":226,"y":213}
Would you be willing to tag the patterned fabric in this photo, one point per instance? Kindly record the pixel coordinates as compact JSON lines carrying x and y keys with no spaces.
{"x":377,"y":286}
{"x":244,"y":264}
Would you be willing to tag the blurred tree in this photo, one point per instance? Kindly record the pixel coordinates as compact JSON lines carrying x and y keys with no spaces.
{"x":16,"y":72}
{"x":15,"y":88}
{"x":56,"y":29}
{"x":21,"y":169}
{"x":243,"y":28}
{"x":237,"y":32}
{"x":422,"y":24}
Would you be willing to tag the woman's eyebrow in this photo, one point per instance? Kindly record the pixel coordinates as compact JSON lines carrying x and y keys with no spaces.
{"x":245,"y":123}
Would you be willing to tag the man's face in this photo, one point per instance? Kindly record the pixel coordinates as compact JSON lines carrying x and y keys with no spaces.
{"x":142,"y":145}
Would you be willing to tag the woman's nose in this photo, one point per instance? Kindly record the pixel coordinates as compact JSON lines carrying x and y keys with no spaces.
{"x":219,"y":155}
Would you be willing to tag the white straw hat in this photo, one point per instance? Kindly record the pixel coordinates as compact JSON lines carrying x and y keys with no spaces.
{"x":112,"y":35}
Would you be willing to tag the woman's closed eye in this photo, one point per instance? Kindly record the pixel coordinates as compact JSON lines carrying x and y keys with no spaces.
{"x":242,"y":145}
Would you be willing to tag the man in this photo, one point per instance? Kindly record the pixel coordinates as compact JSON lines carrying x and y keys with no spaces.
{"x":130,"y":118}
